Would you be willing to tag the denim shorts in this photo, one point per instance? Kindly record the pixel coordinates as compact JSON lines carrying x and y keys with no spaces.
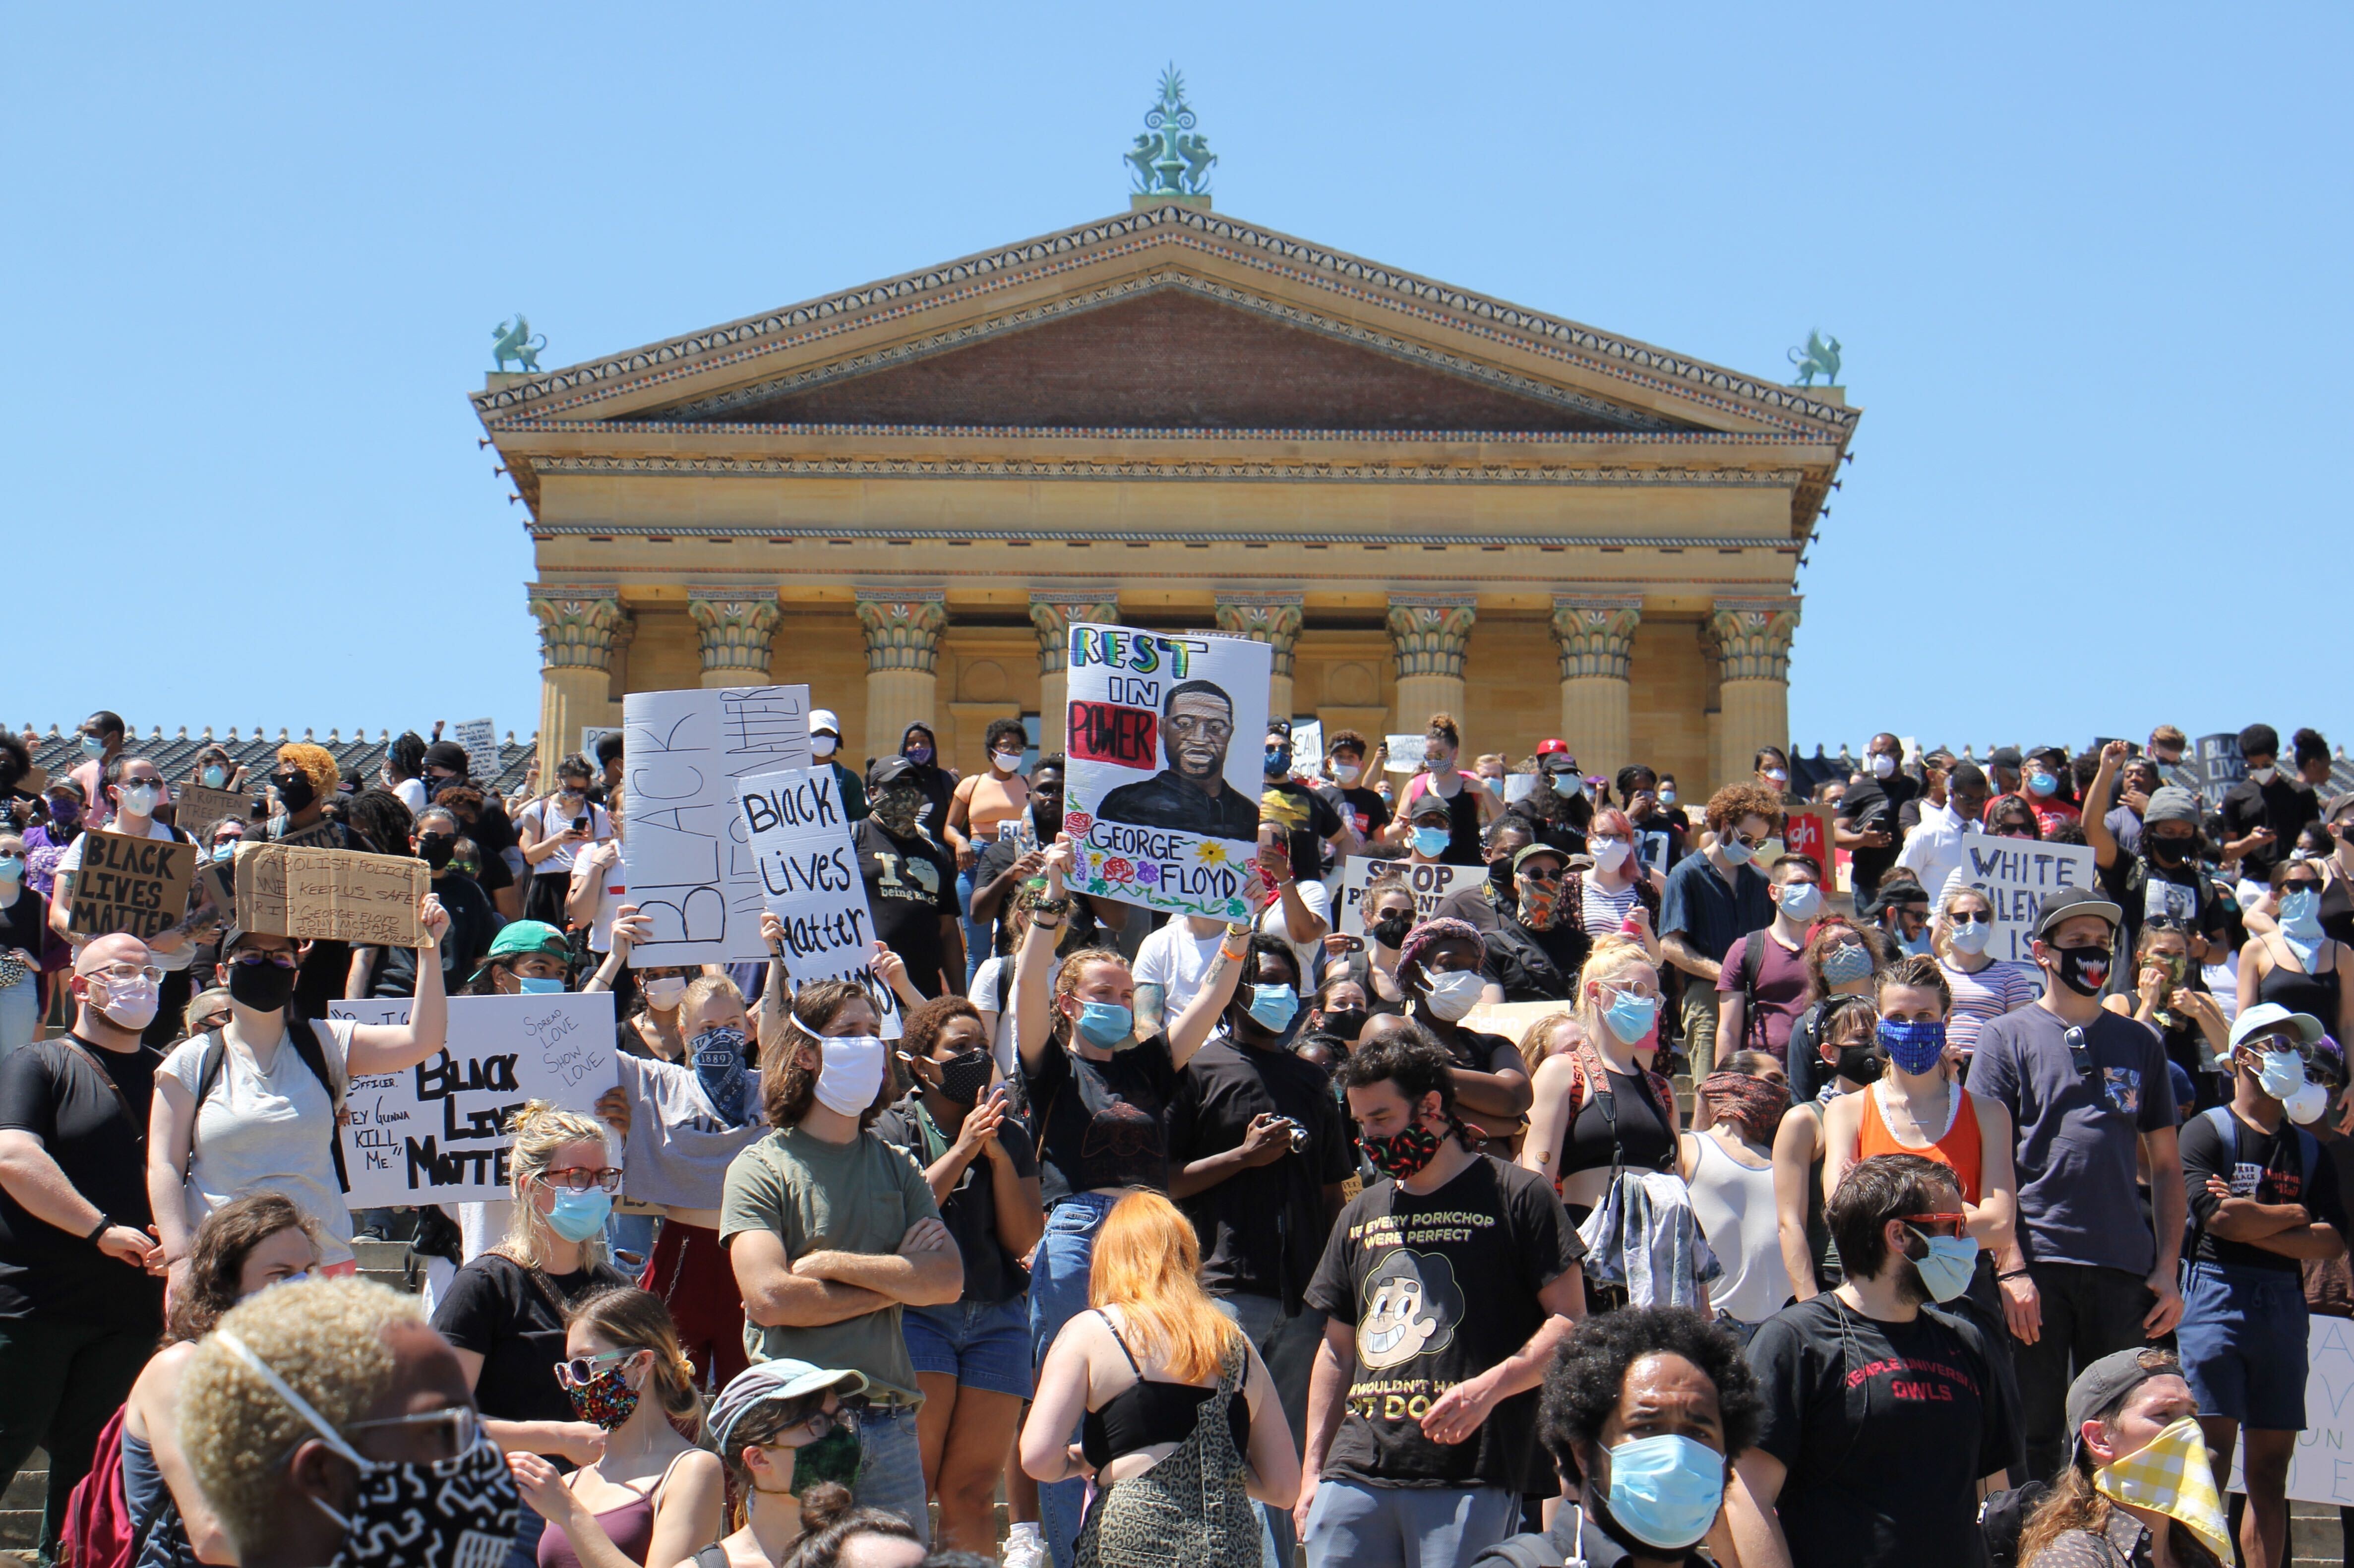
{"x":981,"y":1344}
{"x":2243,"y":1342}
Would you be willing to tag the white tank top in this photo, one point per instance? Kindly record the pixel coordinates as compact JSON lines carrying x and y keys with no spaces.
{"x":1736,"y":1208}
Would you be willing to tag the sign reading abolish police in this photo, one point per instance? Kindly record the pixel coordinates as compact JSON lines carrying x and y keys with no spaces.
{"x":139,"y":885}
{"x":1166,"y":737}
{"x":2017,"y":875}
{"x":809,"y":876}
{"x":437,"y":1132}
{"x":1430,"y":884}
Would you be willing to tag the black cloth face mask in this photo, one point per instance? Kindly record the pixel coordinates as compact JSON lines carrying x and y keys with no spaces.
{"x":295,"y":788}
{"x":264,"y":987}
{"x":2084,"y":970}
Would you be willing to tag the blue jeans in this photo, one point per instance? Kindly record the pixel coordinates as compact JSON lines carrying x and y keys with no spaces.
{"x":20,"y":1014}
{"x":891,"y":1465}
{"x":981,"y":1344}
{"x":1058,"y":1293}
{"x":633,"y":1233}
{"x":529,"y":1526}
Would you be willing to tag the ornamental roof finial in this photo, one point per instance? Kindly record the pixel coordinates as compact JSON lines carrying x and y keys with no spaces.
{"x":1170,"y":161}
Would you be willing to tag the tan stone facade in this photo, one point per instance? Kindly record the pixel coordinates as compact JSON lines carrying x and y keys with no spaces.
{"x":1422,"y":498}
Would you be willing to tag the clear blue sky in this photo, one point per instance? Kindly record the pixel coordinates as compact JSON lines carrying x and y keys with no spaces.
{"x":2088,"y":263}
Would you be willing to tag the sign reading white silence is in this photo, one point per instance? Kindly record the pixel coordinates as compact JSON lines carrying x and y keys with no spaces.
{"x":436,"y":1133}
{"x":690,"y":865}
{"x":809,"y":876}
{"x":2017,"y":875}
{"x":1430,"y":884}
{"x":1166,"y":766}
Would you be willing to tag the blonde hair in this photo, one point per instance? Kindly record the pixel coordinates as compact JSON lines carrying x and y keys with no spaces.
{"x":1067,"y":976}
{"x":635,"y":1320}
{"x":325,"y":1338}
{"x":540,"y":1129}
{"x":1543,"y":1037}
{"x":704,"y":986}
{"x":1148,"y":1262}
{"x":1615,"y":958}
{"x":315,"y":763}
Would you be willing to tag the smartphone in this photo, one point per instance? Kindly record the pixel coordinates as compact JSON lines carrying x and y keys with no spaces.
{"x":579,"y":824}
{"x":1354,"y":944}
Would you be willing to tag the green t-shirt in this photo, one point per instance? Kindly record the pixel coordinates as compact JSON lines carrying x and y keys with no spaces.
{"x":860,"y":1196}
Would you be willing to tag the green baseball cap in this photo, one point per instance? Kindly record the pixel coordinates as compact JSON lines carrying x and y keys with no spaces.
{"x":520,"y":939}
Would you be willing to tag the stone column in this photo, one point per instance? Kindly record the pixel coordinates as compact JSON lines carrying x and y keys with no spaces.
{"x":1429,"y":633}
{"x":903,"y":648}
{"x":1750,"y":639}
{"x":1053,"y":614}
{"x":580,"y":629}
{"x":1595,"y":636}
{"x":1273,"y":619}
{"x":736,"y":632}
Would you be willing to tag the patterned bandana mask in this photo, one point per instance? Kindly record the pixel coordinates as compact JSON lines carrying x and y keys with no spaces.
{"x":718,"y":1058}
{"x":605,"y":1399}
{"x":1540,"y":904}
{"x":2173,"y":1476}
{"x":1402,"y":1155}
{"x":900,"y":809}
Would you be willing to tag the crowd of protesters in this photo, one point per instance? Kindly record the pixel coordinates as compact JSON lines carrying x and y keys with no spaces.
{"x":1789,"y":1226}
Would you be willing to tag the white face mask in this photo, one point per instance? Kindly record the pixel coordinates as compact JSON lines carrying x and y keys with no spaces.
{"x":1347,"y":772}
{"x":2261,"y":776}
{"x":823,"y":745}
{"x":850,"y":1073}
{"x":1609,"y":854}
{"x":140,"y":800}
{"x":1454,"y":994}
{"x":1007,"y":761}
{"x":666,"y":991}
{"x":1972,"y":938}
{"x":1882,"y":764}
{"x":128,"y":1004}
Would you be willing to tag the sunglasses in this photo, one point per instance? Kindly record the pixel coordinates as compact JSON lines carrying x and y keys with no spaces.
{"x":1750,"y":842}
{"x":2264,"y":1044}
{"x":579,"y":1179}
{"x":2301,"y":884}
{"x":821,"y":1423}
{"x":1534,"y":874}
{"x":1962,"y":918}
{"x":1937,"y":1224}
{"x":581,"y":1371}
{"x":459,"y":1424}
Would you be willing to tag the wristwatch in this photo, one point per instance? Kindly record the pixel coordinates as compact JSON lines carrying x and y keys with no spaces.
{"x":105,"y":1224}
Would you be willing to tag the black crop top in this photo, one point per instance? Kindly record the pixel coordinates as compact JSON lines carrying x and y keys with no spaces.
{"x":1146,"y":1413}
{"x":1643,"y":1140}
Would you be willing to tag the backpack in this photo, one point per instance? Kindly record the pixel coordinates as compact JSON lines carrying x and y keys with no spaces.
{"x":300,"y":1035}
{"x":2002,"y":1520}
{"x":96,"y":1531}
{"x":2308,"y":1148}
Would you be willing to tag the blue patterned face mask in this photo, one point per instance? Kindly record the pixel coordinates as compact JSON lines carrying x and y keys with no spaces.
{"x":1914,"y":1045}
{"x":718,"y":1058}
{"x":1846,"y":963}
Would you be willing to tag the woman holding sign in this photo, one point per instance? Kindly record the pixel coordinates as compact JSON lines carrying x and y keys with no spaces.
{"x":257,"y":1105}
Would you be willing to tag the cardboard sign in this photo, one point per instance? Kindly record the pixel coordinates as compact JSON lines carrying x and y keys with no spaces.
{"x":324,"y":833}
{"x":341,"y":894}
{"x":690,"y":864}
{"x":436,"y":1133}
{"x":481,"y":738}
{"x":195,"y":807}
{"x":1165,"y":740}
{"x":2321,"y":1470}
{"x":137,"y":886}
{"x":2017,"y":875}
{"x":1405,"y":752}
{"x":1512,"y":1020}
{"x":1430,"y":884}
{"x":1806,"y":831}
{"x":809,"y":875}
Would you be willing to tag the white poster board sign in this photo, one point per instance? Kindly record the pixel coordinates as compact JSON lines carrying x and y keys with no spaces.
{"x":2322,"y":1469}
{"x":1166,"y":739}
{"x":590,"y":733}
{"x":1519,"y":786}
{"x":1405,"y":752}
{"x":2017,"y":875}
{"x":1430,"y":884}
{"x":481,"y":738}
{"x":436,"y":1133}
{"x":809,"y":875}
{"x":690,"y":869}
{"x":1306,"y":748}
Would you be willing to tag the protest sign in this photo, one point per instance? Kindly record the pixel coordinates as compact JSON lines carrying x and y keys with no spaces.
{"x":1307,"y":746}
{"x":138,"y":886}
{"x":1519,"y":787}
{"x":437,"y":1132}
{"x":1430,"y":884}
{"x":1405,"y":752}
{"x":2017,"y":875}
{"x":590,"y":733}
{"x":1806,"y":831}
{"x":799,"y":843}
{"x":341,"y":894}
{"x":1161,"y":791}
{"x":2321,"y":1470}
{"x":1512,"y":1020}
{"x":2221,"y":766}
{"x":324,"y":833}
{"x":690,"y":864}
{"x":195,"y":807}
{"x":481,"y":738}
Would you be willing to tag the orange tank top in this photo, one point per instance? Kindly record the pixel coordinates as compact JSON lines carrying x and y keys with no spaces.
{"x":1961,"y":1148}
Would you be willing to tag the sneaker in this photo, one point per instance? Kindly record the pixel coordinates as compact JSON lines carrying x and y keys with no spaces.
{"x":1026,"y":1548}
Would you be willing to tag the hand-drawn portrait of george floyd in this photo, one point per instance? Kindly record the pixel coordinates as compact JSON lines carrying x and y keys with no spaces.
{"x":1162,"y":793}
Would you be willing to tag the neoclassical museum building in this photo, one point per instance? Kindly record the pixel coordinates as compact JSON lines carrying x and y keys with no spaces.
{"x":1424,"y":498}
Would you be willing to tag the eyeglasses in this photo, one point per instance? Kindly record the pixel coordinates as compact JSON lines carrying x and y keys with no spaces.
{"x":579,"y":1179}
{"x":1937,"y":1224}
{"x":457,"y":1423}
{"x":126,"y":974}
{"x":584,"y":1370}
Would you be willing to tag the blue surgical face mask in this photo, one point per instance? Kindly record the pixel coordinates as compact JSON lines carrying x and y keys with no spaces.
{"x":535,"y":985}
{"x":1736,"y":854}
{"x":12,"y":867}
{"x":577,"y":1216}
{"x":216,"y":777}
{"x":1665,"y":1491}
{"x":1432,"y":842}
{"x":1567,"y":784}
{"x":92,"y":747}
{"x":1630,"y":1016}
{"x":1846,"y":963}
{"x":227,"y":849}
{"x":2043,"y":784}
{"x":1801,"y":900}
{"x":1915,"y":1046}
{"x":1105,"y":1025}
{"x":1945,"y":1272}
{"x":1272,"y":1007}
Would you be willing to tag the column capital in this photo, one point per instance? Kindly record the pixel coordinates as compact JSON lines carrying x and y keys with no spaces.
{"x":1595,"y":633}
{"x":579,"y":627}
{"x":1751,"y":637}
{"x":737,"y":627}
{"x":902,"y":626}
{"x":1054,"y":611}
{"x":1430,"y":632}
{"x":1273,"y":618}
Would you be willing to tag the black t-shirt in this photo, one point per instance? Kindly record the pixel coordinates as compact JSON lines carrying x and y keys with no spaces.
{"x":1097,"y":1124}
{"x":1366,"y":809}
{"x":25,"y":923}
{"x":992,"y":1274}
{"x":1885,"y":1430}
{"x":503,"y":1313}
{"x":1874,"y":803}
{"x":1308,"y":843}
{"x":1658,"y":842}
{"x":492,"y":831}
{"x":1547,"y":819}
{"x":1402,"y":1269}
{"x":910,"y":883}
{"x":472,"y":924}
{"x":1533,"y":964}
{"x":2269,"y":1167}
{"x":1262,"y":1229}
{"x":2284,"y":806}
{"x":1080,"y":927}
{"x":47,"y":1090}
{"x":1469,"y":1048}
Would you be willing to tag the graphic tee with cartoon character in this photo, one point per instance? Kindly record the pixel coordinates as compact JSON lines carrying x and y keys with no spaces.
{"x":1441,"y":1287}
{"x":910,"y":883}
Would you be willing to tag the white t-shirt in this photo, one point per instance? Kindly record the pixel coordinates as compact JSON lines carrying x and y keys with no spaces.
{"x":71,"y":861}
{"x":267,"y":1131}
{"x":1175,"y":959}
{"x":610,"y":899}
{"x":1310,"y":956}
{"x":546,"y":822}
{"x":412,"y":794}
{"x":987,"y":993}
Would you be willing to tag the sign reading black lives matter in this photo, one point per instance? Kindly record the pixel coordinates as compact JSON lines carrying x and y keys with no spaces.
{"x":437,"y":1132}
{"x":1166,"y":740}
{"x":809,"y":875}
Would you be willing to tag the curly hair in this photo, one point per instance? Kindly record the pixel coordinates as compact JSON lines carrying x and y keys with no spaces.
{"x":920,"y":1030}
{"x":315,"y":763}
{"x":217,"y":1258}
{"x":1005,"y":729}
{"x":383,"y":819}
{"x":1734,"y":801}
{"x":1408,"y":1058}
{"x":788,"y":1083}
{"x":1588,"y":1375}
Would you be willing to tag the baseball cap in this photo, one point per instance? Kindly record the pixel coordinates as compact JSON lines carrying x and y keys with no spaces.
{"x":2005,"y":757}
{"x":779,"y":1382}
{"x":1538,"y":848}
{"x":446,"y":754}
{"x":2255,"y":1021}
{"x":894,"y":770}
{"x":1557,"y":762}
{"x":2171,"y":803}
{"x":1547,"y":748}
{"x":519,"y":938}
{"x":2108,"y":1381}
{"x":2070,"y":902}
{"x":824,"y":719}
{"x":1428,"y":804}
